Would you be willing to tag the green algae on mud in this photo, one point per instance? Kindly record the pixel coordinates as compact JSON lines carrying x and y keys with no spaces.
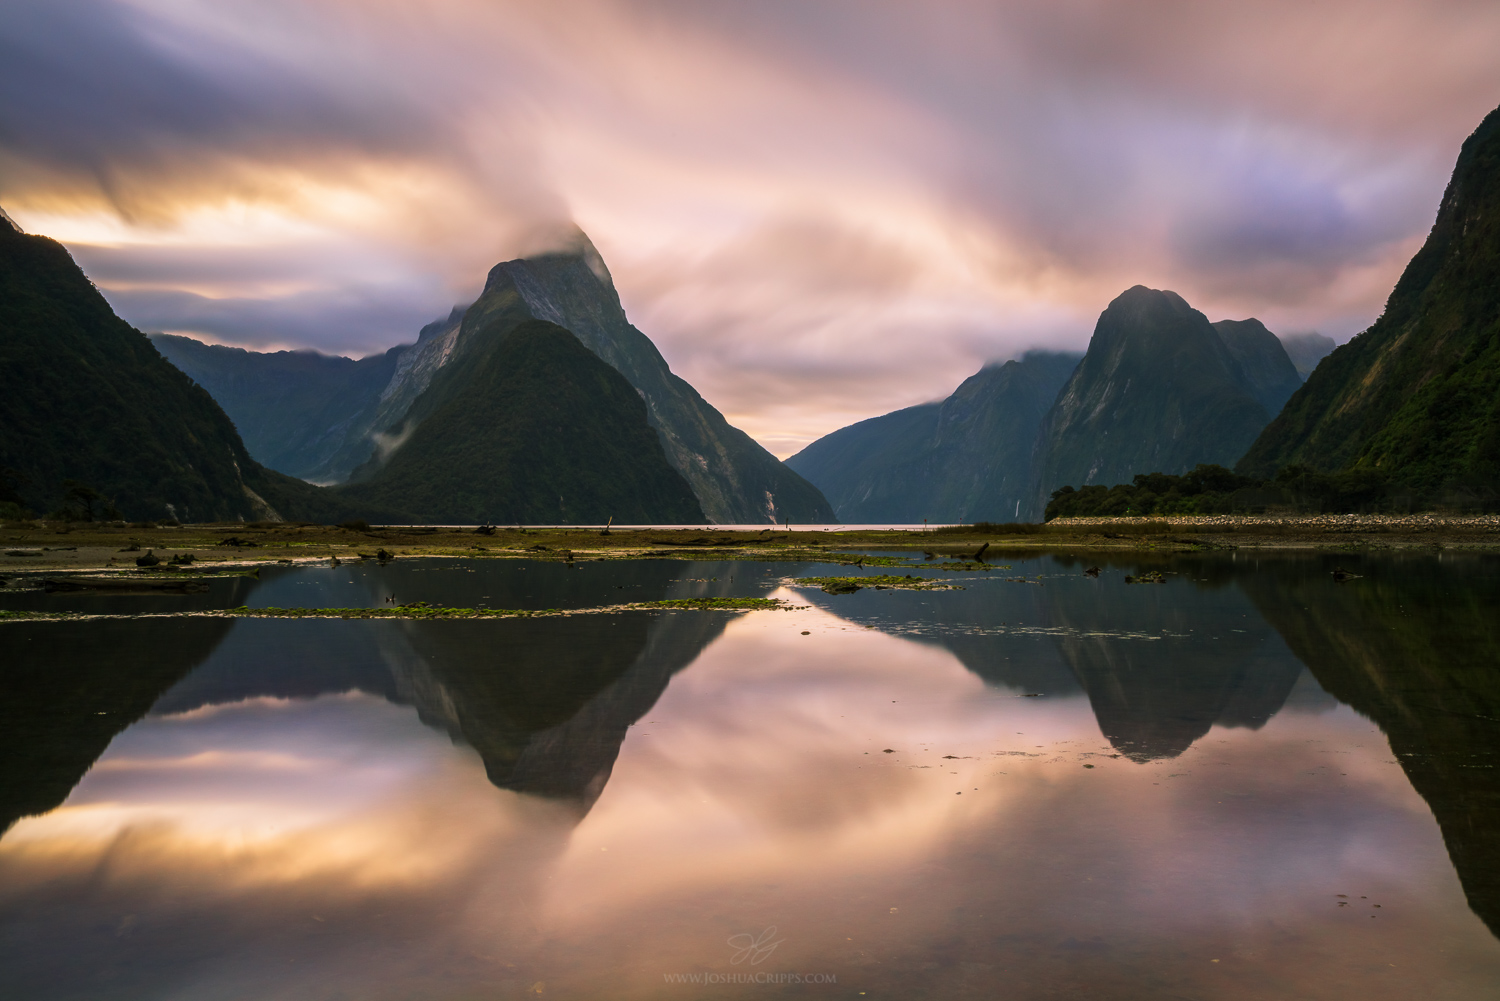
{"x":880,"y":582}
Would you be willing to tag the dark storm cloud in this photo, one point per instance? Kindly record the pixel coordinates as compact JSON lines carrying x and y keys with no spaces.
{"x":99,"y":96}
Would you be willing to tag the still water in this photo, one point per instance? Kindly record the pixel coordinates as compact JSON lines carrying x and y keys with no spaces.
{"x":1247,"y":782}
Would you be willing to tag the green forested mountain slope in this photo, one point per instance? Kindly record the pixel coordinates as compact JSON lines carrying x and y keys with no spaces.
{"x":1158,"y":391}
{"x":531,"y":427}
{"x":84,"y":397}
{"x":965,"y":459}
{"x":1416,"y":396}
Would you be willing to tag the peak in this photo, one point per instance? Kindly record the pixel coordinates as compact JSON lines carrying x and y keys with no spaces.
{"x":1139,"y":301}
{"x":7,"y":221}
{"x":561,"y":242}
{"x":1249,"y":323}
{"x":1139,"y":294}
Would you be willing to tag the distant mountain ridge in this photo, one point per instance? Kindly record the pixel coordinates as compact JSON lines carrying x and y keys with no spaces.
{"x":967,"y":458}
{"x":1416,"y":397}
{"x":1307,"y":350}
{"x":300,"y":412}
{"x":85,"y":397}
{"x":1159,"y":390}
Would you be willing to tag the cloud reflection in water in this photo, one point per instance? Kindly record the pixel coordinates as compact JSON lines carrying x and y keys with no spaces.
{"x":301,"y":846}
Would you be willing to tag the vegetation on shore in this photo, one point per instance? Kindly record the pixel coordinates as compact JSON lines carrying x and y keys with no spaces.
{"x":1210,"y":489}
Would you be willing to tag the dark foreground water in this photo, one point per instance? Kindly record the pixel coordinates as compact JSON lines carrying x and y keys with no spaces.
{"x":1248,"y":782}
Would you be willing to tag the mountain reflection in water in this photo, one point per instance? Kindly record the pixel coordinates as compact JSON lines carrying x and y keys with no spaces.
{"x":304,"y":810}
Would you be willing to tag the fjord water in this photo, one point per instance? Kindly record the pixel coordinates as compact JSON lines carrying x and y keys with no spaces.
{"x":1248,"y":782}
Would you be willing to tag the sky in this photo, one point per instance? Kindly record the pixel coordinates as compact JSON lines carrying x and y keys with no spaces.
{"x":820,"y":211}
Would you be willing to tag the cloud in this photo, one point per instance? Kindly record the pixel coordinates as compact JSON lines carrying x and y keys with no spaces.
{"x":341,"y":320}
{"x":819,"y":211}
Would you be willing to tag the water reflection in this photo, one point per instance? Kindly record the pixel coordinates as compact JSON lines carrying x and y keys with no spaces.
{"x":1160,"y":664}
{"x":67,"y":689}
{"x":1415,"y":646}
{"x":314,"y":812}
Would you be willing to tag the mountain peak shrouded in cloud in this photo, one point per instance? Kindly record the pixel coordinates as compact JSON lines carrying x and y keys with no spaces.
{"x":822,"y":212}
{"x":333,"y":419}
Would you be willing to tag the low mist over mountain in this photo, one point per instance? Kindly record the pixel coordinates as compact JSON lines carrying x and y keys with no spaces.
{"x":93,"y":418}
{"x":1417,"y":396}
{"x":1160,"y":390}
{"x":360,"y":422}
{"x":967,"y":458}
{"x":1307,"y":350}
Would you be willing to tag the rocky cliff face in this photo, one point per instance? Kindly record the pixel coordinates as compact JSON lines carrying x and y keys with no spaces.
{"x":1158,"y":391}
{"x":965,"y":459}
{"x":1417,"y":395}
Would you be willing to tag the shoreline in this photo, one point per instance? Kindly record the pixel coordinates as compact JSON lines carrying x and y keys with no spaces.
{"x":29,"y":548}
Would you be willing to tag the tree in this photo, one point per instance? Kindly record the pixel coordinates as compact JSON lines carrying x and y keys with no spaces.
{"x":84,"y":495}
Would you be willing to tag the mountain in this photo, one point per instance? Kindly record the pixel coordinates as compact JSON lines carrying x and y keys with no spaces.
{"x":359,"y":418}
{"x":1417,"y":395}
{"x":1306,"y":350}
{"x":299,"y":412}
{"x":533,"y":427}
{"x":735,"y":480}
{"x":92,"y":414}
{"x":967,"y":458}
{"x":1267,"y":368}
{"x":1159,"y":390}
